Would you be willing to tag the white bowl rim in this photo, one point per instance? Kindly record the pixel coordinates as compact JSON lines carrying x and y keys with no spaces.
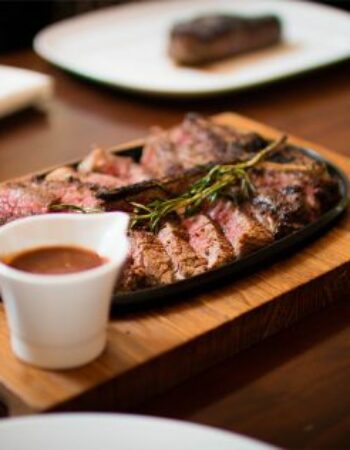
{"x":111,"y":264}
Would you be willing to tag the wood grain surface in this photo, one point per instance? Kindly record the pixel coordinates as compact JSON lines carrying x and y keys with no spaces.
{"x":291,"y":389}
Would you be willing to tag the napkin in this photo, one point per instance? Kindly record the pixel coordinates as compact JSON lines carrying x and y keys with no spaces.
{"x":20,"y":88}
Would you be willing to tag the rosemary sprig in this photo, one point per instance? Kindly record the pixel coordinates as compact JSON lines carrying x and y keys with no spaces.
{"x":216,"y":182}
{"x":64,"y":207}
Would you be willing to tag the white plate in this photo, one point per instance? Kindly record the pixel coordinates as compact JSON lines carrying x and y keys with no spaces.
{"x":125,"y":46}
{"x":116,"y":432}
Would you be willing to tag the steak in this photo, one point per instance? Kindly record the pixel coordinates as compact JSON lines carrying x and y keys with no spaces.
{"x":148,"y":265}
{"x":197,"y":141}
{"x":93,"y":180}
{"x":245,"y":233}
{"x":282,"y":212}
{"x":208,"y":241}
{"x":216,"y":36}
{"x":70,"y":193}
{"x":159,"y":155}
{"x":175,"y":240}
{"x":22,"y":199}
{"x":289,"y":190}
{"x":122,"y":167}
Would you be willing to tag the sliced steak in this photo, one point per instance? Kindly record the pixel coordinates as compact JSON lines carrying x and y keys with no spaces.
{"x":196,"y":141}
{"x":159,"y":155}
{"x":174,"y":238}
{"x":22,"y":199}
{"x":304,"y":176}
{"x":282,"y":212}
{"x":208,"y":241}
{"x":149,"y":265}
{"x":122,"y":167}
{"x":245,"y":233}
{"x":71,"y":193}
{"x":199,"y":141}
{"x":92,"y":179}
{"x":216,"y":36}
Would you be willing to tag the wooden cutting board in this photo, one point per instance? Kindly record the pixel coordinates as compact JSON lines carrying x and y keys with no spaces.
{"x":149,"y":352}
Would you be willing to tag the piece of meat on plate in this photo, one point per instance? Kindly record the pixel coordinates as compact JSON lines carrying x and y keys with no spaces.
{"x":175,"y":240}
{"x":213,"y":37}
{"x":245,"y":233}
{"x":196,"y":141}
{"x":23,"y":199}
{"x":149,"y":264}
{"x":107,"y":163}
{"x":92,"y":179}
{"x":208,"y":240}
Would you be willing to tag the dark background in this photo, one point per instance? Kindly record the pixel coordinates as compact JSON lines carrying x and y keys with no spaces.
{"x":20,"y":20}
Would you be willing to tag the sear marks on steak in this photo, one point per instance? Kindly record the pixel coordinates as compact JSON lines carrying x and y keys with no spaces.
{"x":245,"y":233}
{"x":208,"y":240}
{"x":197,"y":141}
{"x":313,"y":183}
{"x":175,"y":240}
{"x":148,"y":265}
{"x":216,"y":36}
{"x":282,"y":212}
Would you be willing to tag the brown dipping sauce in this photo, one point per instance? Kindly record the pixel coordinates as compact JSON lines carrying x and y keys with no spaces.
{"x":56,"y":260}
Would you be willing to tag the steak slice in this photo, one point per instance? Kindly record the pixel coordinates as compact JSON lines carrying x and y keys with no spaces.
{"x":93,"y":179}
{"x":282,"y":212}
{"x":245,"y":233}
{"x":22,"y":199}
{"x":174,"y":238}
{"x":297,"y":174}
{"x":148,"y":265}
{"x":196,"y":141}
{"x":159,"y":155}
{"x":208,"y":241}
{"x":122,"y":167}
{"x":216,"y":36}
{"x":71,"y":192}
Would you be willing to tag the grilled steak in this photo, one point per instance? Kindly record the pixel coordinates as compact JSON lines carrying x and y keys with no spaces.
{"x":160,"y":156}
{"x":197,"y":141}
{"x":282,"y":212}
{"x":20,"y":200}
{"x":106,"y":163}
{"x":290,"y":190}
{"x":148,"y":265}
{"x":174,"y":238}
{"x":94,"y":180}
{"x":241,"y":228}
{"x":208,"y":241}
{"x":217,"y":36}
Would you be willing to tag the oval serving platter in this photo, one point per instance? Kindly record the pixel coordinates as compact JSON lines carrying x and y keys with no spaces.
{"x":160,"y":295}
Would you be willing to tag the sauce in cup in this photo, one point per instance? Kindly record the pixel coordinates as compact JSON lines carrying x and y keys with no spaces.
{"x":55,"y":260}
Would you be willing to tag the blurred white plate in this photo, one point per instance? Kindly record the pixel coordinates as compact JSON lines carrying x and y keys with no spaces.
{"x":125,"y":46}
{"x":20,"y":88}
{"x":116,"y":432}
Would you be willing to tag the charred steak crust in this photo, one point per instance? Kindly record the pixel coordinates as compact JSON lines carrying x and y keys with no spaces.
{"x":213,"y":37}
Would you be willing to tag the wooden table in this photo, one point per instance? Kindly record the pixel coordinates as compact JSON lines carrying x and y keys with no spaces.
{"x":292,"y":389}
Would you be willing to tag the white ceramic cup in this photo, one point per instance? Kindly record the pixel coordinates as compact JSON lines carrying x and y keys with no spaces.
{"x":59,"y":321}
